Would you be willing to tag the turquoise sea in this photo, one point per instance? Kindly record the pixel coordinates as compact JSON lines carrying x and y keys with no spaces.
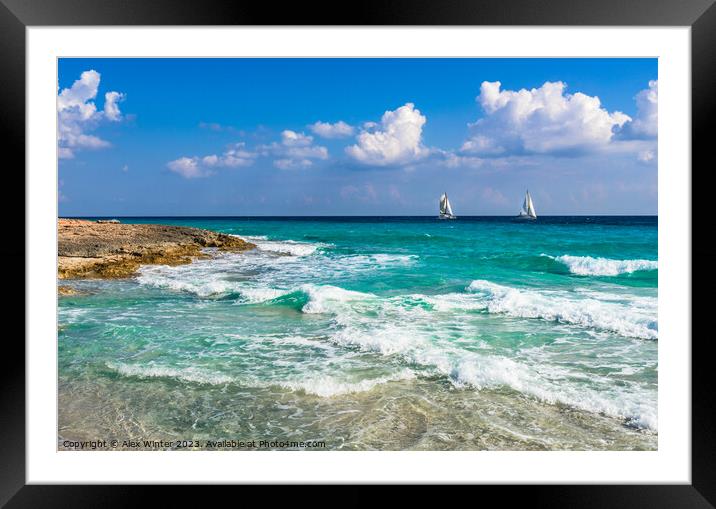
{"x":377,"y":333}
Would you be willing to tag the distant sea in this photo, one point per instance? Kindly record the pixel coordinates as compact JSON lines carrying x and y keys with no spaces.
{"x":377,"y":333}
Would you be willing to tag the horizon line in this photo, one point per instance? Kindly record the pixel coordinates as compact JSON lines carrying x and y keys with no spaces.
{"x":340,"y":215}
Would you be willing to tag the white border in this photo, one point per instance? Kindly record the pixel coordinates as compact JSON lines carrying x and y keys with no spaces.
{"x":671,"y":463}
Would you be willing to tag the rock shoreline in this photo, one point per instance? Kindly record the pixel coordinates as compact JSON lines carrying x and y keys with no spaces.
{"x":88,"y":249}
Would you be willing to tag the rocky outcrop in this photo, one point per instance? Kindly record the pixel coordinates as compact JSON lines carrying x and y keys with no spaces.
{"x":87,"y":249}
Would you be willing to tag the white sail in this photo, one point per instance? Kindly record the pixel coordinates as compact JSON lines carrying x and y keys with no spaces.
{"x":530,"y":206}
{"x":525,"y":206}
{"x":445,"y":207}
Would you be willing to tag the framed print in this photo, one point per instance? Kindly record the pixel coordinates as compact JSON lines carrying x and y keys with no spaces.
{"x":449,"y":245}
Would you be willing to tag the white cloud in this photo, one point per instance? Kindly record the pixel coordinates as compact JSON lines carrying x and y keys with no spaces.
{"x":235,"y":156}
{"x":396,"y":141}
{"x":296,"y":150}
{"x":188,"y":167}
{"x":77,"y":114}
{"x":290,"y":164}
{"x":78,"y":96}
{"x":542,"y":120}
{"x":293,"y":139}
{"x":327,"y":130}
{"x":458,"y":161}
{"x":111,"y":109}
{"x":211,"y":160}
{"x":645,"y":124}
{"x":313,"y":152}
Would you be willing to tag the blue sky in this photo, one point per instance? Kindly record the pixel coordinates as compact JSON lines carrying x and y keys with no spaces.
{"x":240,"y":136}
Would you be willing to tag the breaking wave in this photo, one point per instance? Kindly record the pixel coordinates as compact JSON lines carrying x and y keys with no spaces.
{"x":403,"y":329}
{"x":635,"y":319}
{"x":590,"y":266}
{"x":285,"y":247}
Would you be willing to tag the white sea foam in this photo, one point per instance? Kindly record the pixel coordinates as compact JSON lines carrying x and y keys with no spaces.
{"x":327,"y":386}
{"x":558,"y":306}
{"x":589,"y":266}
{"x":453,"y":302}
{"x":323,"y":299}
{"x":630,"y":317}
{"x":276,"y":268}
{"x":323,"y":385}
{"x":466,"y":369}
{"x":636,"y":406}
{"x":188,"y":374}
{"x":404,"y":326}
{"x":212,"y":287}
{"x":399,"y":326}
{"x":224,"y":275}
{"x":259,"y":294}
{"x":285,"y":247}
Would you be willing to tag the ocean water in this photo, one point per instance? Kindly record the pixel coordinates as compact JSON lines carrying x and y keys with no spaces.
{"x":377,"y":333}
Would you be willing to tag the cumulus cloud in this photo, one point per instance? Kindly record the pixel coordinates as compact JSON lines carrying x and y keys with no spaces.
{"x":293,"y":139}
{"x":397,"y":140}
{"x":235,"y":156}
{"x":296,"y":150}
{"x":188,"y":167}
{"x":111,"y":108}
{"x":646,"y":121}
{"x":77,"y":115}
{"x":543,"y":120}
{"x":327,"y":130}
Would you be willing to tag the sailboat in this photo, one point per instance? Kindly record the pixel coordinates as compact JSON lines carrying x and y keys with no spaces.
{"x":445,"y":208}
{"x":528,"y":209}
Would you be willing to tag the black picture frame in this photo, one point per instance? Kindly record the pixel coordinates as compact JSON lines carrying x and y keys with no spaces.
{"x":16,"y":15}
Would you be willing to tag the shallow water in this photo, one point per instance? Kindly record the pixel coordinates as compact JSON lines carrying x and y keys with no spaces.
{"x":392,"y":333}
